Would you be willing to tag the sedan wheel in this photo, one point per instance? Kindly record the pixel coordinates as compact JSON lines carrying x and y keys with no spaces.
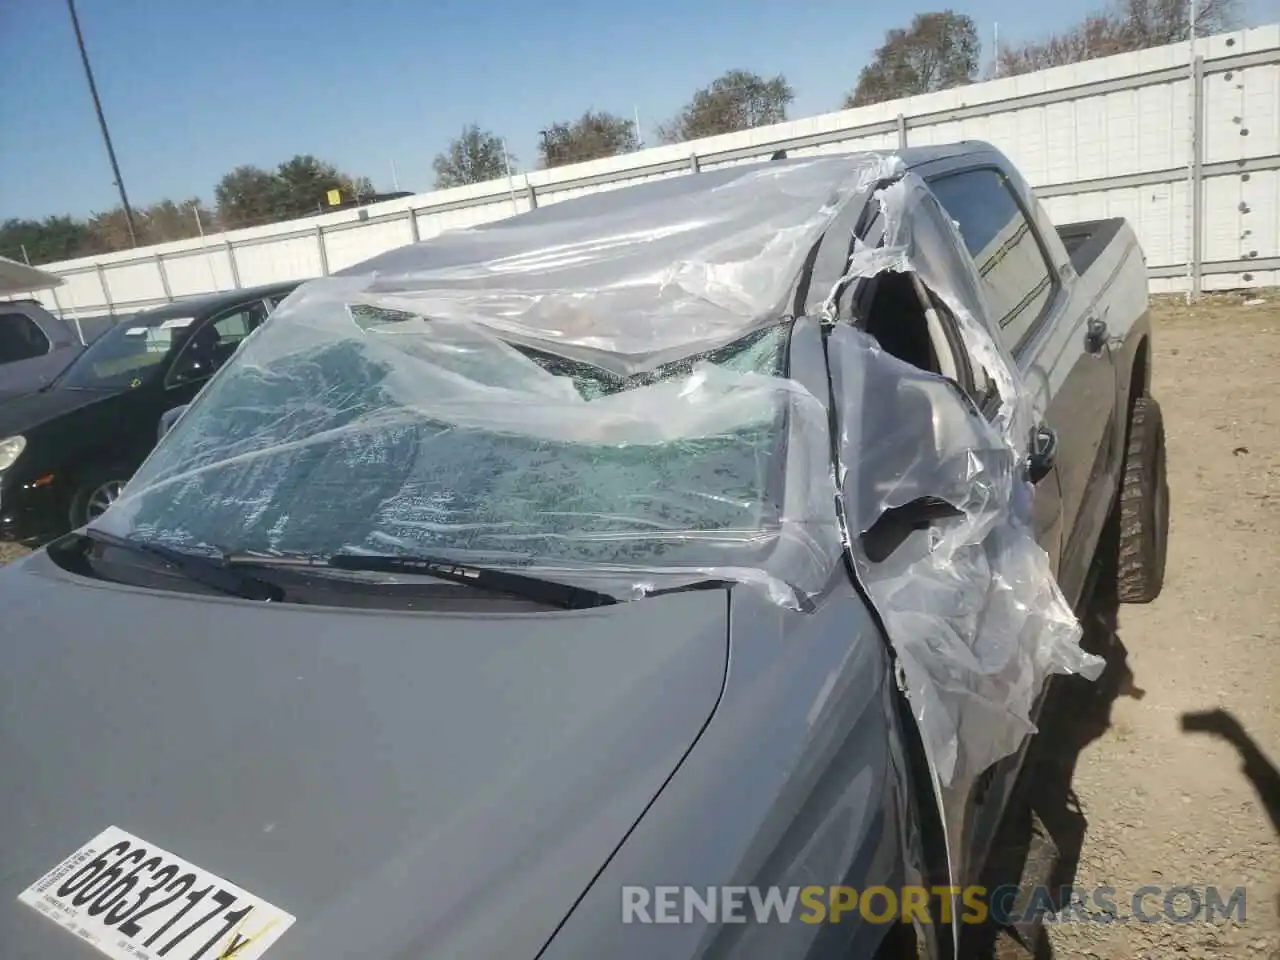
{"x":101,"y":497}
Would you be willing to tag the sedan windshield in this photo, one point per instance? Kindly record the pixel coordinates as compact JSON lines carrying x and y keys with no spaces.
{"x":125,"y":355}
{"x":414,"y":437}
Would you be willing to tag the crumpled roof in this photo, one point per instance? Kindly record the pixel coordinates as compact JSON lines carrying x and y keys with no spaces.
{"x":678,"y":263}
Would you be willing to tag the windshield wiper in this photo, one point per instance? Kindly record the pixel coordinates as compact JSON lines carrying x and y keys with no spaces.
{"x":213,"y":572}
{"x":550,"y":592}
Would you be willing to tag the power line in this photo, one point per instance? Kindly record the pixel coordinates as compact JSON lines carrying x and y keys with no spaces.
{"x":102,"y":122}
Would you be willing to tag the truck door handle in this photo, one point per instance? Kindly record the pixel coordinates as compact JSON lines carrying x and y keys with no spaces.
{"x":1043,"y":454}
{"x":1095,"y":336}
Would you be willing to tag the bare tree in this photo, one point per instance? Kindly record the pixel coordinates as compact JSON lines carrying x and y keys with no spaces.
{"x":1154,"y":23}
{"x":590,"y":137}
{"x":1128,"y":25}
{"x":473,"y":157}
{"x":938,"y":51}
{"x":736,"y":100}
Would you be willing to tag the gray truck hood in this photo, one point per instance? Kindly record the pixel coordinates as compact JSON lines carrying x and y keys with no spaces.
{"x":405,"y":785}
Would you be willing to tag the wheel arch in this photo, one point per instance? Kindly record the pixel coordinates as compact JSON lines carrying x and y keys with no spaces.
{"x":1140,"y":371}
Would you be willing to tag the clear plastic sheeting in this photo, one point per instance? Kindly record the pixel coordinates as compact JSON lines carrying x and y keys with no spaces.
{"x":931,"y":246}
{"x":690,"y":267}
{"x":592,"y":392}
{"x":969,"y":601}
{"x":324,"y":436}
{"x":598,"y":393}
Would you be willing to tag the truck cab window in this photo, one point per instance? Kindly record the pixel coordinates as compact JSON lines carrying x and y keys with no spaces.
{"x":20,"y":338}
{"x":1017,"y":279}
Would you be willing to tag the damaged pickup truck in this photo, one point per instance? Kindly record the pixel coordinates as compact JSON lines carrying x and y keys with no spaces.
{"x":579,"y":584}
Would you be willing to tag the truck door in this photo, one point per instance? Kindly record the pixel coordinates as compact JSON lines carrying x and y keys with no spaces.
{"x":1033,"y":315}
{"x":1020,"y":290}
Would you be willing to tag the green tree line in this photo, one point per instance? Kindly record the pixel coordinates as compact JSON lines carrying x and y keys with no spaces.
{"x":935,"y":51}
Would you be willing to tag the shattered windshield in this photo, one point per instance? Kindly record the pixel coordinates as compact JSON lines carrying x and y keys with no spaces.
{"x":596,"y":390}
{"x":415,"y":437}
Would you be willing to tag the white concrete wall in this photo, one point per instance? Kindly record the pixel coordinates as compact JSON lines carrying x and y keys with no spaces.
{"x":1126,"y":118}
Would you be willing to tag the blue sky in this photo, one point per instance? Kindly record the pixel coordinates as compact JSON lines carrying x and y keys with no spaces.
{"x":193,"y":88}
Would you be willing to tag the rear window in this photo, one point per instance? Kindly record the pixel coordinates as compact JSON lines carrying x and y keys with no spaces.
{"x":20,"y":338}
{"x":1017,"y":279}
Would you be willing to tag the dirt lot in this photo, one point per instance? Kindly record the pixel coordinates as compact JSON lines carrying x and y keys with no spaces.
{"x":1121,"y":795}
{"x":1129,"y":797}
{"x":1150,"y":802}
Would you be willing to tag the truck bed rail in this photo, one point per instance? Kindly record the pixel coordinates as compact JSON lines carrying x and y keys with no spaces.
{"x":1088,"y":238}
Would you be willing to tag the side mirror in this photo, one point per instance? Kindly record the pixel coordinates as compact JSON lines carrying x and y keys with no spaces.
{"x":189,"y":372}
{"x":169,"y":418}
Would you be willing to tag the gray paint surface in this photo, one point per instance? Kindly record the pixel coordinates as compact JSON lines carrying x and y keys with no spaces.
{"x":414,"y":785}
{"x":405,"y":785}
{"x":798,"y":780}
{"x":24,"y":376}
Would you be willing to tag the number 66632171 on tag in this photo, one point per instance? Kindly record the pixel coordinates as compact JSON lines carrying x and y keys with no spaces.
{"x":133,"y":900}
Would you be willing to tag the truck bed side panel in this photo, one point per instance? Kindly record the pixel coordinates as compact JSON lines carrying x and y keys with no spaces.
{"x":1089,"y":238}
{"x":1113,"y":288}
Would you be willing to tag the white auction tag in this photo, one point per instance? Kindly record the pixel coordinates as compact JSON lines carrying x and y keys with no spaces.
{"x":177,"y":322}
{"x":134,"y":901}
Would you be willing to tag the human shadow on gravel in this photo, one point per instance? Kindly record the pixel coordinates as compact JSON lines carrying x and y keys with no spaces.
{"x":1042,"y":834}
{"x":1261,"y":772}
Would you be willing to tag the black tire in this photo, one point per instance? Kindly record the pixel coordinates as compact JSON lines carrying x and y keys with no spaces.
{"x":90,"y":483}
{"x":1143,"y":507}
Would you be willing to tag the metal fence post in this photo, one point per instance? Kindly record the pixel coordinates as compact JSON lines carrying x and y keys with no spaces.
{"x":106,"y":290}
{"x":231,"y":258}
{"x":532,"y":195}
{"x":75,"y":315}
{"x":693,"y":163}
{"x":164,"y":278}
{"x":902,"y":132}
{"x":1197,"y":179}
{"x":324,"y":254}
{"x":413,"y":225}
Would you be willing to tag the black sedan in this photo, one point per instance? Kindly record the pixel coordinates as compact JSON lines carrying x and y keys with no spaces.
{"x":67,"y":451}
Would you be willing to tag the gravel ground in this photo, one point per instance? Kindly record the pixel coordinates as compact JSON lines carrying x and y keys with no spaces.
{"x":1157,"y":804}
{"x":1128,"y":796}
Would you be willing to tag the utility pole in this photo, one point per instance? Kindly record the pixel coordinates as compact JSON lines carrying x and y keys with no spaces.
{"x":511,"y":181}
{"x":102,"y":122}
{"x":1192,"y":186}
